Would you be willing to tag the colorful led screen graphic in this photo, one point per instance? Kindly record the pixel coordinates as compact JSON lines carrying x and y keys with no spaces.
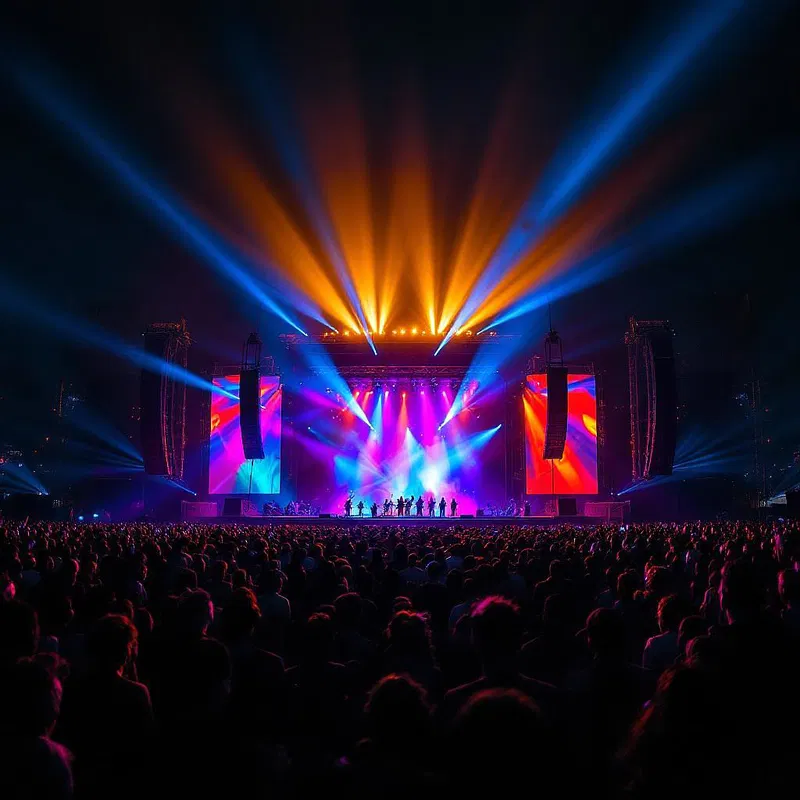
{"x":228,"y":472}
{"x":576,"y":472}
{"x":405,"y":452}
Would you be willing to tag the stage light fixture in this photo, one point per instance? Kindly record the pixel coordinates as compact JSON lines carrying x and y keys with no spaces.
{"x":413,"y":331}
{"x":402,"y":331}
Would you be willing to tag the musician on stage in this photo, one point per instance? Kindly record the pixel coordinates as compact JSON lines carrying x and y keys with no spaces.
{"x":453,"y":507}
{"x":409,"y":504}
{"x":387,"y":507}
{"x":432,"y":506}
{"x":360,"y":508}
{"x":442,"y":506}
{"x":374,"y":509}
{"x":348,"y":506}
{"x":401,"y":506}
{"x":420,"y":504}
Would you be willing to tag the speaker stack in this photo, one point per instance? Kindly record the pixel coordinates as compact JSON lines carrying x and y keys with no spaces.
{"x":555,"y":432}
{"x":249,"y":413}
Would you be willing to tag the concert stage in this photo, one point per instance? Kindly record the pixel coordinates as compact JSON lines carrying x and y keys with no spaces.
{"x":338,"y":421}
{"x":439,"y":523}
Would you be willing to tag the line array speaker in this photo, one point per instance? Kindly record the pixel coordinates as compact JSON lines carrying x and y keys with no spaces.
{"x":666,"y":429}
{"x":249,"y":413}
{"x":555,"y":432}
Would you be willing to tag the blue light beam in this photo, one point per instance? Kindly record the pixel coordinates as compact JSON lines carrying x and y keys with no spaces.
{"x":156,"y":200}
{"x":589,"y":150}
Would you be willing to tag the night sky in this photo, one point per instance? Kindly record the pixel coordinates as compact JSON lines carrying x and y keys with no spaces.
{"x":72,"y":239}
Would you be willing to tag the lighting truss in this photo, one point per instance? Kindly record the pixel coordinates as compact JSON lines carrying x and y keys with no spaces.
{"x":421,"y":372}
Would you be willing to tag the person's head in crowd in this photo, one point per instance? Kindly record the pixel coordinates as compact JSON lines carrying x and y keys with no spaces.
{"x":670,"y":613}
{"x":240,"y":615}
{"x":558,"y":570}
{"x":662,"y":759}
{"x":398,"y":715}
{"x":143,"y":620}
{"x":30,"y":698}
{"x":219,"y":572}
{"x":496,"y":735}
{"x":690,"y":628}
{"x":239,"y":578}
{"x":435,"y":571}
{"x":605,"y":634}
{"x":496,"y":630}
{"x":195,"y":613}
{"x":185,"y":580}
{"x":348,"y":611}
{"x":317,"y":639}
{"x":409,"y":634}
{"x":658,"y":582}
{"x":19,"y":631}
{"x":271,"y":582}
{"x":627,"y":585}
{"x":740,"y":594}
{"x":556,"y":612}
{"x":111,"y":644}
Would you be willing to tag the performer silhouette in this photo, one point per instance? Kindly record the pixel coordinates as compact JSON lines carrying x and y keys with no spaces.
{"x":453,"y":507}
{"x":442,"y":506}
{"x":374,"y":509}
{"x":420,"y":504}
{"x":387,"y":507}
{"x":409,"y":504}
{"x":431,"y":506}
{"x":348,"y":506}
{"x":360,"y":508}
{"x":401,"y":506}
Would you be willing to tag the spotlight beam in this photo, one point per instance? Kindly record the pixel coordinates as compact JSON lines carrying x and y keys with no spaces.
{"x":265,"y":91}
{"x":589,"y":150}
{"x":18,"y":304}
{"x":156,"y":200}
{"x":711,"y":207}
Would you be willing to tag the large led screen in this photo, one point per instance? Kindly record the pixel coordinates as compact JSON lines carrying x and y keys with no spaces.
{"x":228,"y":471}
{"x":576,"y":471}
{"x":411,"y":444}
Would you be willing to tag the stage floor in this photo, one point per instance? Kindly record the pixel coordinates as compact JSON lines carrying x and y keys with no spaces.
{"x":406,"y":522}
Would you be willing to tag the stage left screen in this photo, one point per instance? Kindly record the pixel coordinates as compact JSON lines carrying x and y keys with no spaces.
{"x":228,"y":472}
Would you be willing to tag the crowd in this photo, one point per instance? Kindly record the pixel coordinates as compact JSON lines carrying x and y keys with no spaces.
{"x":654,"y":661}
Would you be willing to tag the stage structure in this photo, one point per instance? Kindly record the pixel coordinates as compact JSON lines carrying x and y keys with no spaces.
{"x":401,"y":423}
{"x":342,"y":423}
{"x":653,"y":397}
{"x":163,"y":401}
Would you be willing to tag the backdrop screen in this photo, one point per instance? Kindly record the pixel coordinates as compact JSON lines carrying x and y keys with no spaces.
{"x":228,"y":472}
{"x":405,"y":451}
{"x":576,"y":472}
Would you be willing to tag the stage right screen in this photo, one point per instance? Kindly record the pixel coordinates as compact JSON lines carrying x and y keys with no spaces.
{"x":576,"y":471}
